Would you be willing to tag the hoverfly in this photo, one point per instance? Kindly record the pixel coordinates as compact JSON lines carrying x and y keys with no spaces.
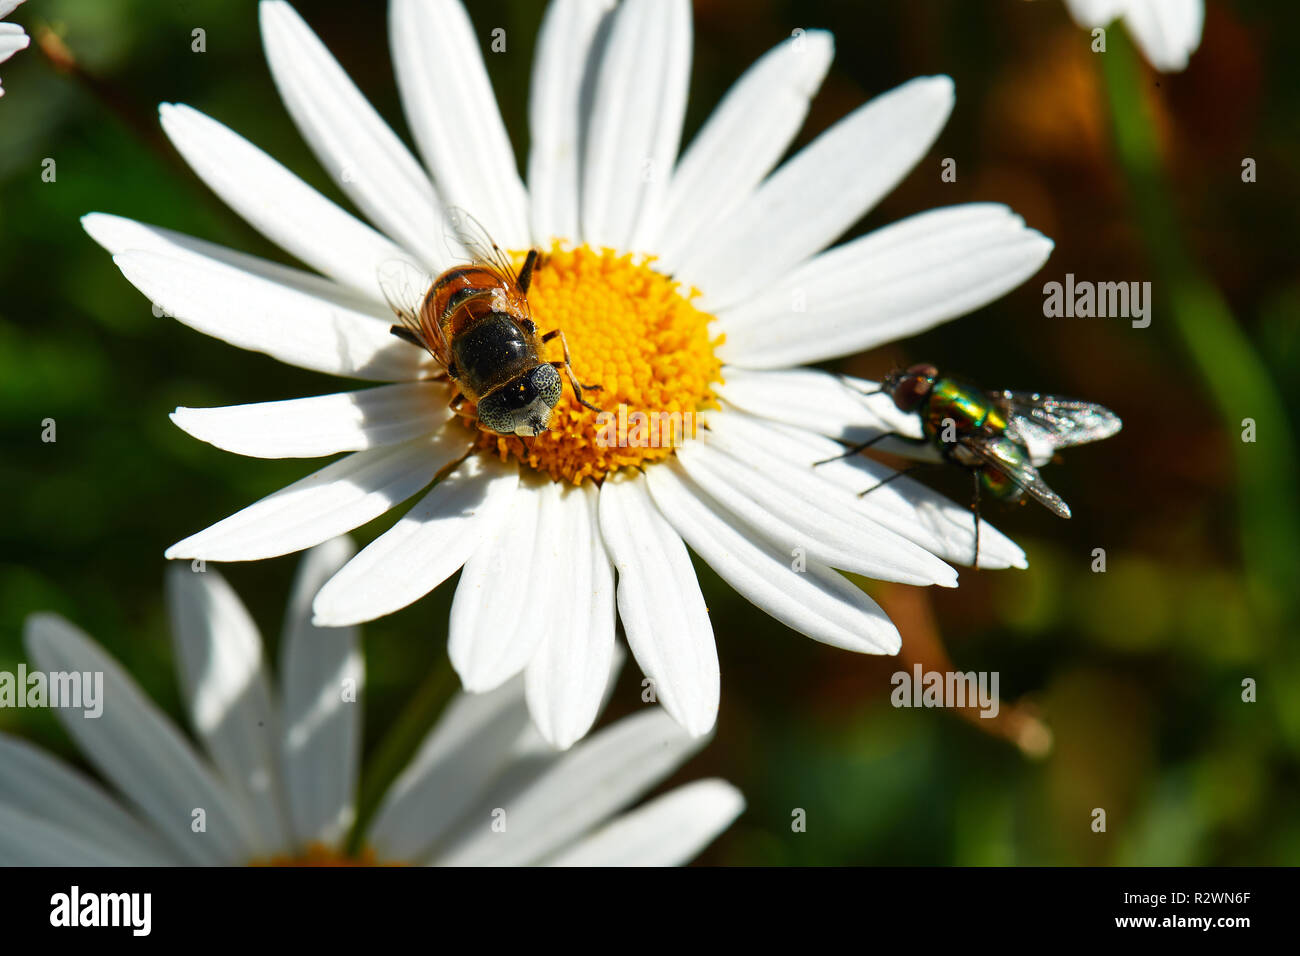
{"x":476,"y":323}
{"x":999,"y":436}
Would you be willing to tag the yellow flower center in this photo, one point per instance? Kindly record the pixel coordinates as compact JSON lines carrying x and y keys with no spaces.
{"x":635,"y":334}
{"x":318,"y":854}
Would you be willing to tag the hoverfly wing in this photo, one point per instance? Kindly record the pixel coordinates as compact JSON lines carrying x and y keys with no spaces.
{"x":993,"y":451}
{"x":471,"y":235}
{"x":1049,"y":422}
{"x":404,"y":286}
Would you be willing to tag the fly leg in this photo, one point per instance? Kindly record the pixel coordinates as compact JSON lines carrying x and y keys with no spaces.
{"x":853,"y":450}
{"x":975,"y":508}
{"x":844,"y":380}
{"x":885,"y":481}
{"x":568,"y":370}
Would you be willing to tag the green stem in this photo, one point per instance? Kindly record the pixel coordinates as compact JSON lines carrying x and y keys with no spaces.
{"x":1238,"y":381}
{"x":400,"y":744}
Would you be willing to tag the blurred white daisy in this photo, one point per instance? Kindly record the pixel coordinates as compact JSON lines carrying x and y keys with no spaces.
{"x":539,"y":529}
{"x":12,"y":37}
{"x":277,"y":779}
{"x":1167,"y":31}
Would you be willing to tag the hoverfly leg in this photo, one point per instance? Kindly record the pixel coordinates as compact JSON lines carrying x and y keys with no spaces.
{"x":975,"y":508}
{"x":578,"y":387}
{"x":885,"y":481}
{"x":526,"y":273}
{"x":850,"y":452}
{"x":458,"y":401}
{"x":407,"y":335}
{"x":567,"y":365}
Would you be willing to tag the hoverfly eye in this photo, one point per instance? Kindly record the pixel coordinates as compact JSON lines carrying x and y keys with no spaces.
{"x":546,"y":381}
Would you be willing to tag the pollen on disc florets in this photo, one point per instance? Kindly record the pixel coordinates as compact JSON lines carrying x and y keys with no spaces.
{"x":318,"y":854}
{"x":632,"y":331}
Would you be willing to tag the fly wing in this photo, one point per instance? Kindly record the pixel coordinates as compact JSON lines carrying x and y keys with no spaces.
{"x":467,"y":232}
{"x":1044,"y":423}
{"x":404,"y":286}
{"x":998,"y":451}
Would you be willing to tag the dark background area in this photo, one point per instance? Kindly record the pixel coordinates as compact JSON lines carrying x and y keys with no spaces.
{"x":1136,"y":672}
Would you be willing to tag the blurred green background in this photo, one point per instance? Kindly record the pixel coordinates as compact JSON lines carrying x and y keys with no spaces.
{"x":1136,"y":672}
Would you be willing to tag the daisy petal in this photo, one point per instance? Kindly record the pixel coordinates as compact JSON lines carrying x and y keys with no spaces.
{"x":744,"y":436}
{"x":504,"y":591}
{"x":1095,"y":13}
{"x":358,"y":149}
{"x":278,"y":204}
{"x":12,"y":39}
{"x":9,"y":6}
{"x":827,"y":404}
{"x":1168,"y":31}
{"x":565,"y":680}
{"x":424,"y":548}
{"x":465,"y":751}
{"x":670,"y":830}
{"x":48,"y":790}
{"x":555,"y":114}
{"x":817,"y":601}
{"x":660,"y":605}
{"x":636,"y":123}
{"x":906,"y":505}
{"x":453,"y":113}
{"x":341,"y":496}
{"x":134,"y":745}
{"x":227,"y":693}
{"x":598,"y":777}
{"x":890,"y":284}
{"x":119,"y":234}
{"x":819,"y":193}
{"x":323,"y":425}
{"x":743,"y":139}
{"x":262,"y":315}
{"x":29,"y":840}
{"x":795,"y":508}
{"x":321,"y":678}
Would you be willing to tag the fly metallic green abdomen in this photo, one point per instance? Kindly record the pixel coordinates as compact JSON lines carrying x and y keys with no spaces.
{"x":1000,"y":437}
{"x":997,"y":482}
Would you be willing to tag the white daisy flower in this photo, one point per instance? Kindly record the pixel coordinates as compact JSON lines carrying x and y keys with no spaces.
{"x":277,"y":779}
{"x":12,"y":37}
{"x":540,"y":528}
{"x":1167,"y":31}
